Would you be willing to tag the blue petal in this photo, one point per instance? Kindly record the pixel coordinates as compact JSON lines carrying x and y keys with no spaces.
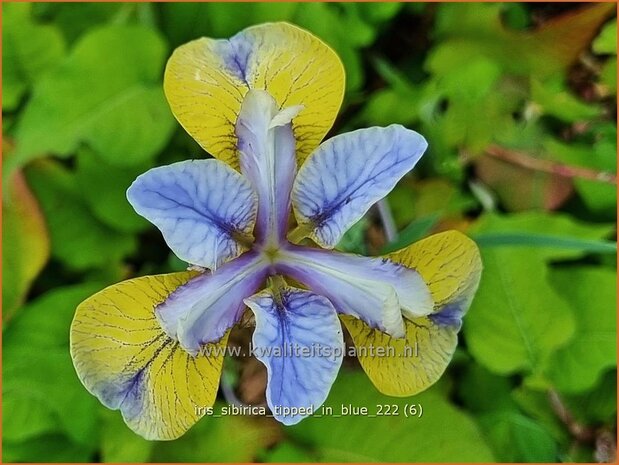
{"x":267,"y":158}
{"x":341,"y":180}
{"x":203,"y":309}
{"x":299,"y":339}
{"x":200,"y":206}
{"x":375,"y":290}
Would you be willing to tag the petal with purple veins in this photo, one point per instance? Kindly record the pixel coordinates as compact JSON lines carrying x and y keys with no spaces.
{"x":299,"y":339}
{"x":267,"y":158}
{"x":205,"y":210}
{"x":347,"y":174}
{"x":202,"y":310}
{"x":375,"y":290}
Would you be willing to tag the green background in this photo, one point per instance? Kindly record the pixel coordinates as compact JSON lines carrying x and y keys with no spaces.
{"x":534,"y":377}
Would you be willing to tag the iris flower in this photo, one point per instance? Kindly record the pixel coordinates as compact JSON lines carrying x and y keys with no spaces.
{"x":261,"y":103}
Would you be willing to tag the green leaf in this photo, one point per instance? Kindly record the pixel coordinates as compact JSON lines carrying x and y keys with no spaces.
{"x":103,"y":188}
{"x":120,"y":444}
{"x":227,"y":438}
{"x":29,"y":416}
{"x":287,"y":452}
{"x":597,"y":404}
{"x":516,"y":438}
{"x":537,"y":405}
{"x":552,"y":236}
{"x":554,"y":99}
{"x":483,"y":391}
{"x":40,"y":388}
{"x":358,"y":438}
{"x":186,"y":21}
{"x":108,"y":94}
{"x":601,"y":155}
{"x":608,"y":76}
{"x":78,"y":239}
{"x":29,"y":51}
{"x":592,"y":295}
{"x":25,"y":244}
{"x":44,"y":322}
{"x":351,"y":34}
{"x":517,"y":320}
{"x":74,"y":19}
{"x":353,"y":241}
{"x":48,"y":449}
{"x":545,"y":241}
{"x":606,"y":42}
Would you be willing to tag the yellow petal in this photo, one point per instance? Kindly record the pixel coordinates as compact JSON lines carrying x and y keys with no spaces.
{"x":450,"y":264}
{"x":124,"y":358}
{"x":206,"y":79}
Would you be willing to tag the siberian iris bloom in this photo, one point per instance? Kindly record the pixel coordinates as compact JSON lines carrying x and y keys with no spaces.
{"x":259,"y":223}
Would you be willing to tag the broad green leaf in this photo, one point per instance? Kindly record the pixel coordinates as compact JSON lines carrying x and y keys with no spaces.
{"x":120,"y":444}
{"x":358,"y":438}
{"x":517,"y":320}
{"x":107,"y":94}
{"x":103,"y":187}
{"x":48,"y":448}
{"x":536,"y":404}
{"x":44,"y":322}
{"x":228,"y":438}
{"x":25,"y":243}
{"x":319,"y":19}
{"x":597,"y":404}
{"x":376,"y":13}
{"x":74,"y":19}
{"x":516,"y":438}
{"x":30,"y":49}
{"x":29,"y":415}
{"x":78,"y":239}
{"x":483,"y":391}
{"x":592,"y":295}
{"x":41,"y":393}
{"x":187,"y":21}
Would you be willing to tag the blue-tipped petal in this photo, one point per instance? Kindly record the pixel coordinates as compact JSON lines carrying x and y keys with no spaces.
{"x":299,"y":339}
{"x":203,"y":309}
{"x":202,"y":208}
{"x":267,"y":158}
{"x":375,"y":290}
{"x":347,"y":174}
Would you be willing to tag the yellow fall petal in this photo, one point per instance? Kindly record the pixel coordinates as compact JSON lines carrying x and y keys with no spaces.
{"x":124,"y":358}
{"x":206,"y":79}
{"x":450,"y":265}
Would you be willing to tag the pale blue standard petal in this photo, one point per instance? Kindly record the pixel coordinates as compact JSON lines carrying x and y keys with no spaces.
{"x":204,"y":308}
{"x":203,"y":208}
{"x":267,"y":158}
{"x":299,"y":339}
{"x":375,"y":290}
{"x":347,"y":174}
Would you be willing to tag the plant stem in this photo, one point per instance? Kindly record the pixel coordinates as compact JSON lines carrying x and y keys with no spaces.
{"x":386,"y":217}
{"x":525,"y":160}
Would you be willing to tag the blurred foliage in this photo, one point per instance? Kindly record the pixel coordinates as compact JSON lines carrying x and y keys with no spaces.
{"x":517,"y":102}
